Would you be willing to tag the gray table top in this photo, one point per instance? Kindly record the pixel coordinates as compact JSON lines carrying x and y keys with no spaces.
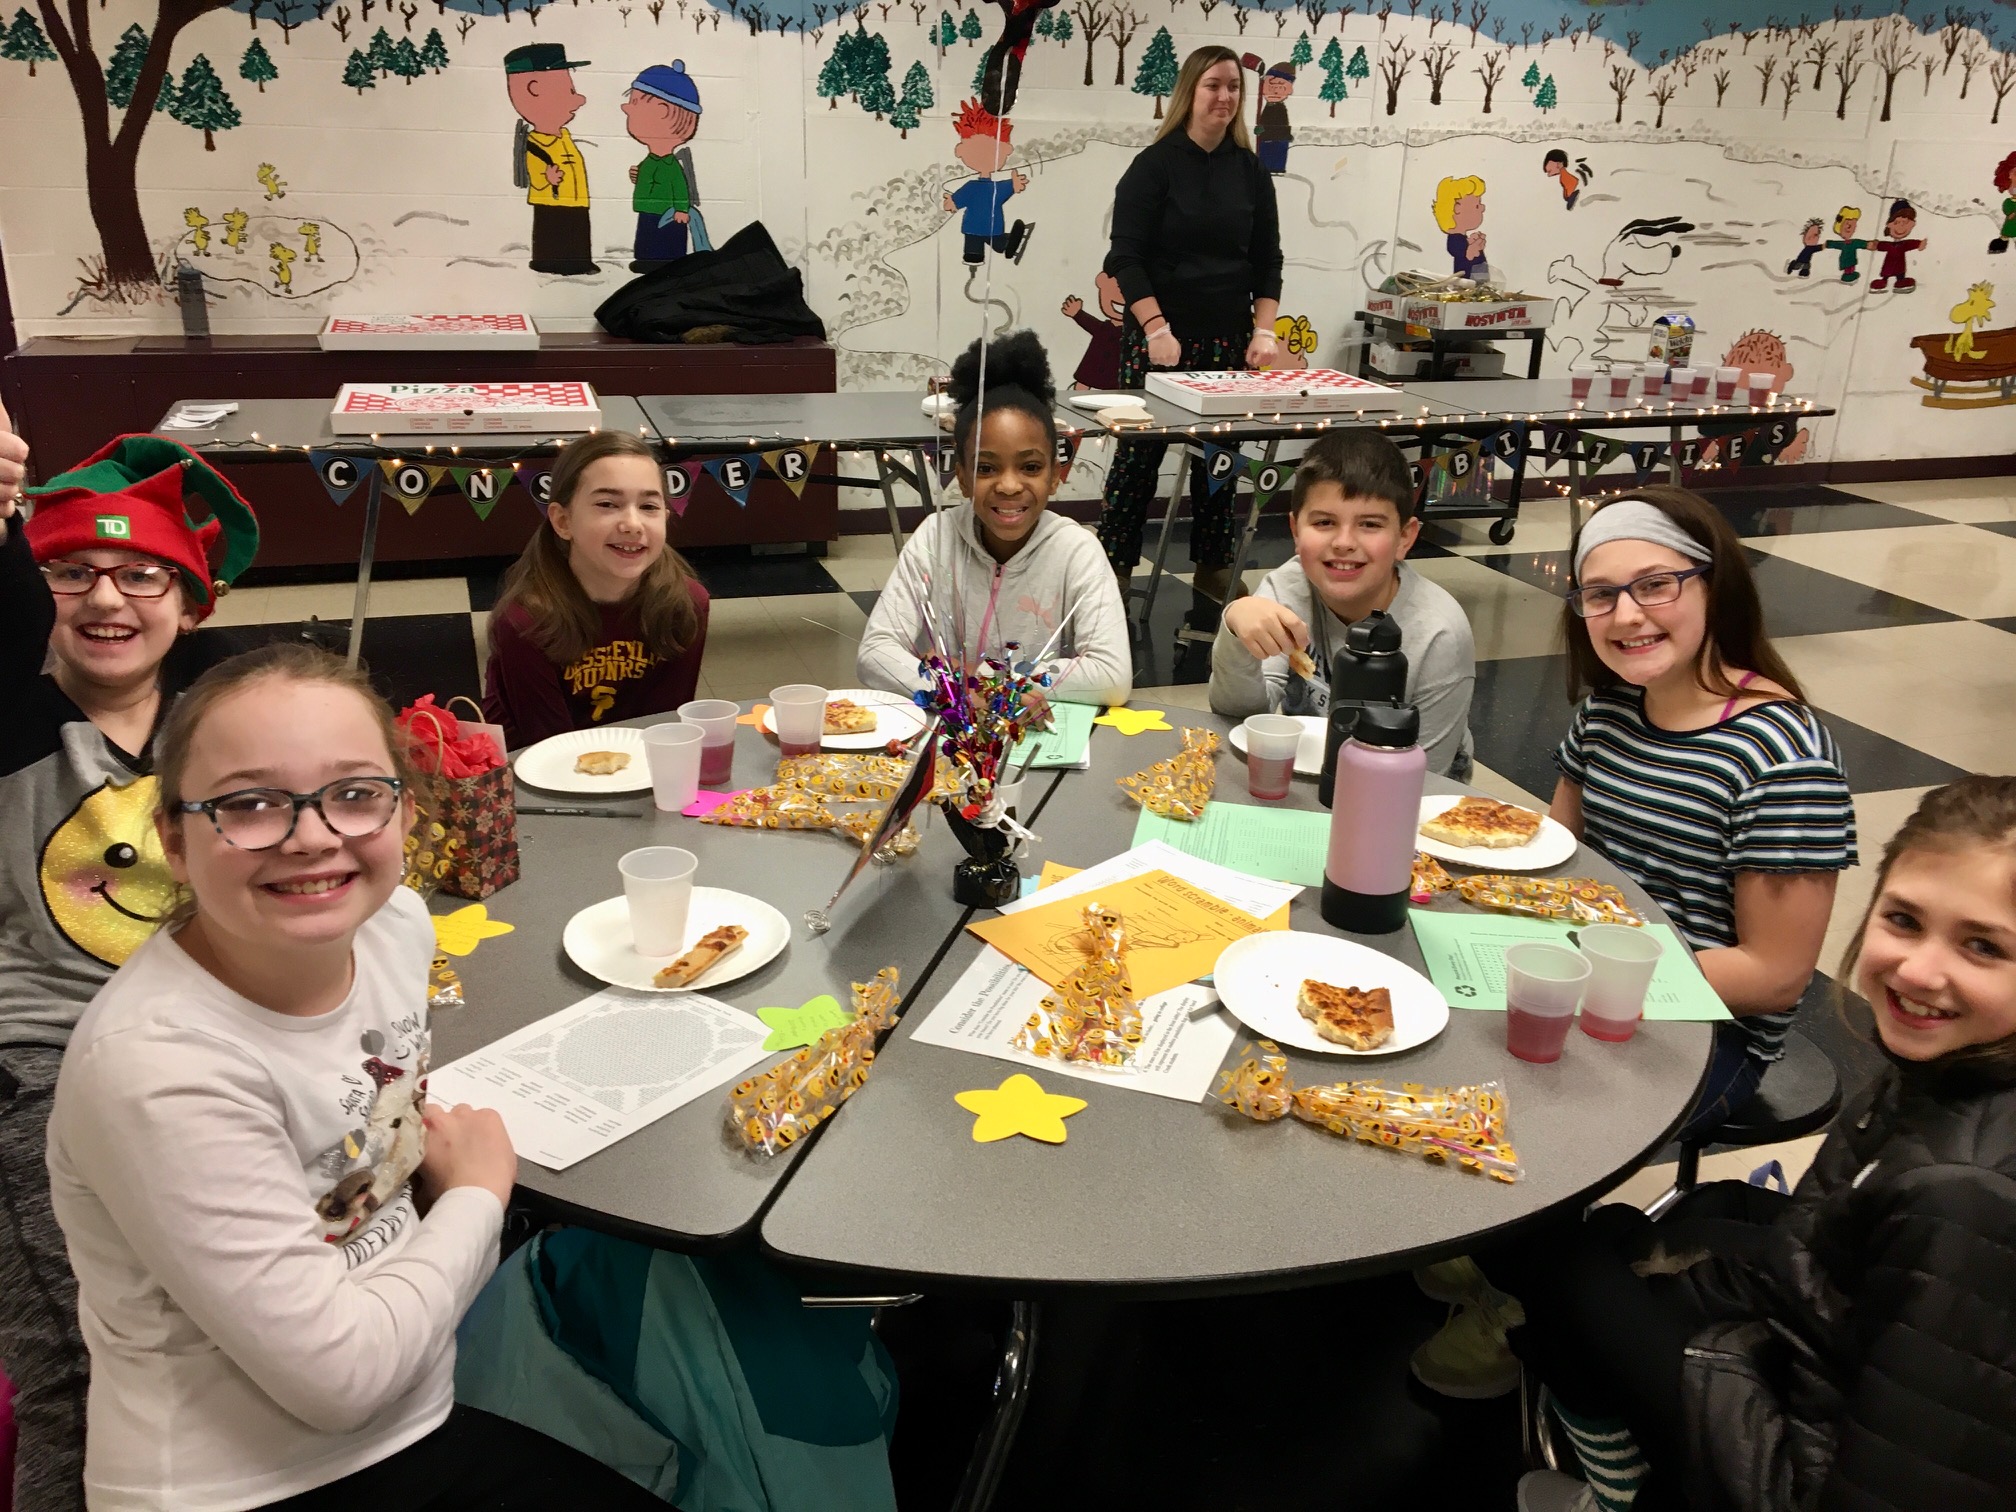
{"x":1174,"y":423}
{"x":887,"y":418}
{"x":305,"y":422}
{"x":1550,"y":399}
{"x":681,"y":1183}
{"x":1150,"y":1196}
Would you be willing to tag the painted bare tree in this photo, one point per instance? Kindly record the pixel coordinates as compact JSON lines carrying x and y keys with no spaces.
{"x":1818,"y":50}
{"x":2001,"y":79}
{"x":1094,"y":18}
{"x":1491,"y":71}
{"x":1393,"y":65}
{"x":1847,"y":71}
{"x":1972,"y":55}
{"x":1664,"y":87}
{"x":1436,"y":61}
{"x":1721,"y":78}
{"x":1788,"y":86}
{"x":1893,"y":53}
{"x":1126,"y":22}
{"x":1765,"y":70}
{"x":1621,"y":80}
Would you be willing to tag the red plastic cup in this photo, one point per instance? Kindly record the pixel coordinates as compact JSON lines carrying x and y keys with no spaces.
{"x":1579,"y":385}
{"x":1271,"y":740}
{"x":716,"y":718}
{"x":1620,"y":383}
{"x":1543,"y":986}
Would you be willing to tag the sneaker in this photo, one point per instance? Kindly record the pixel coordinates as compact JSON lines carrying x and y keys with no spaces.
{"x":1468,"y":1358}
{"x":1451,"y":1281}
{"x":1551,"y":1491}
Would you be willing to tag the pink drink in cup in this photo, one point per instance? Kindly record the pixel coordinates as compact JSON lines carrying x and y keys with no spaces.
{"x":1543,"y":985}
{"x":1620,"y":383}
{"x":716,"y":718}
{"x":1621,"y":962}
{"x":1579,"y":385}
{"x":1652,"y":379}
{"x":799,"y":710}
{"x":1726,"y":379}
{"x":1271,"y":740}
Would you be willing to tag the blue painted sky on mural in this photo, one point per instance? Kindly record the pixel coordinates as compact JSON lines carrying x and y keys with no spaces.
{"x":1671,"y":25}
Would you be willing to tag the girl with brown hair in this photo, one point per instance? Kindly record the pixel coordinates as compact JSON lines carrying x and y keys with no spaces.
{"x":600,"y":619}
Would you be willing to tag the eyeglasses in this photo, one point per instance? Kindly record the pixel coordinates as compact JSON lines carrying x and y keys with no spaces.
{"x":257,"y":819}
{"x":139,"y":580}
{"x":1647,"y":592}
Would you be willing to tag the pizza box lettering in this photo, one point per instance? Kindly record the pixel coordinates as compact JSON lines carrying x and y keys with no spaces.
{"x":1479,"y":314}
{"x":429,"y":333}
{"x":1276,"y":391}
{"x":529,"y":408}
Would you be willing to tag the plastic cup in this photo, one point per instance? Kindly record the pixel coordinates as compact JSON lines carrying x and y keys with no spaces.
{"x":800,"y":712}
{"x":1621,"y":963}
{"x":1760,"y":389}
{"x":1651,"y":379}
{"x":1620,"y":383}
{"x":673,"y":753}
{"x":1579,"y":385}
{"x":1726,"y":379}
{"x":716,"y":718}
{"x":1702,"y":378}
{"x":658,"y":882}
{"x":1543,"y":985}
{"x":1683,"y":381}
{"x":1271,"y":740}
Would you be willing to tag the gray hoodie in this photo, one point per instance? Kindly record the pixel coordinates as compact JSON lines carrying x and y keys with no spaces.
{"x":1061,"y":569}
{"x":1434,"y":635}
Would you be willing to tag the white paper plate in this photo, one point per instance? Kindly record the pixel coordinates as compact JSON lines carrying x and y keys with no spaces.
{"x":1553,"y":845}
{"x":1259,"y":978}
{"x":1092,"y":403}
{"x":1308,"y":752}
{"x":550,"y":763}
{"x":896,"y":718}
{"x":597,"y":939}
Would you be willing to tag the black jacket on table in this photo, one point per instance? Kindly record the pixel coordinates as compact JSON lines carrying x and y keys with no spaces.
{"x":1199,"y":233}
{"x":1869,"y":1363}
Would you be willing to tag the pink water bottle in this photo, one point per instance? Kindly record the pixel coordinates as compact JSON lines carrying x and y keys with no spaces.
{"x":1373,"y":821}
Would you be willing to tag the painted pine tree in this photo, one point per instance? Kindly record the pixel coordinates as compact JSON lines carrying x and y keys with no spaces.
{"x":1531,"y":78}
{"x":406,"y":60}
{"x":24,"y":42}
{"x":256,"y":67}
{"x":948,"y":30}
{"x":1063,"y":30}
{"x":1547,"y":98}
{"x":833,"y":81}
{"x":1358,"y":70}
{"x":903,"y":117}
{"x":123,"y":68}
{"x":380,"y":51}
{"x":970,"y":28}
{"x":1156,"y":74}
{"x":917,"y":90}
{"x":1045,"y":24}
{"x":434,"y":51}
{"x":358,"y":72}
{"x":871,"y":74}
{"x":1303,"y":52}
{"x":201,"y":103}
{"x":979,"y":78}
{"x":1333,"y":90}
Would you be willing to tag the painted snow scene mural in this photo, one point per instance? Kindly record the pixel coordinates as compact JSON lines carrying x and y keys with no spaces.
{"x":1829,"y":194}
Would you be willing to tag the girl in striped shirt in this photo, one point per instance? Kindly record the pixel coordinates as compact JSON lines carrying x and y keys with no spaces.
{"x":1695,"y":765}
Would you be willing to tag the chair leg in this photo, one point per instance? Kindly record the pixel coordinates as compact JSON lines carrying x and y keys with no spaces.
{"x":1011,"y":1396}
{"x":1541,"y":1449}
{"x":1686,"y":1175}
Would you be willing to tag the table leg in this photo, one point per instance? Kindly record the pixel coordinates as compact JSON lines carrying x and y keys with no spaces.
{"x":1673,"y":457}
{"x":1168,"y":524}
{"x":1574,"y":490}
{"x":926,"y":480}
{"x":1011,"y":1397}
{"x":889,"y":497}
{"x":1252,"y":525}
{"x":362,"y":603}
{"x":1533,"y":345}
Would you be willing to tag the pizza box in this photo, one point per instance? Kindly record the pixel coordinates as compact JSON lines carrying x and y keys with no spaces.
{"x":1479,"y":315}
{"x":429,"y":333}
{"x":1275,"y":392}
{"x":529,"y":408}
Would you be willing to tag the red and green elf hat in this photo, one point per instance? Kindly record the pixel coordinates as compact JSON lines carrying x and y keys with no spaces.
{"x":151,"y":495}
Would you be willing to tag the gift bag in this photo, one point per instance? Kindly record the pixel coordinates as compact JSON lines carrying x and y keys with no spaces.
{"x":468,"y":795}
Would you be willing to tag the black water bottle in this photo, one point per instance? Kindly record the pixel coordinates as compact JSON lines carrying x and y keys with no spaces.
{"x":1371,"y":669}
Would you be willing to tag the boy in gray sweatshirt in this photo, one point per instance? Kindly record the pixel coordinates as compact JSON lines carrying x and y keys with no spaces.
{"x":1352,"y":517}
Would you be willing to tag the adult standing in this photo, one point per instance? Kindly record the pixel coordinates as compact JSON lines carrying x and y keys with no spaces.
{"x":1197,"y":252}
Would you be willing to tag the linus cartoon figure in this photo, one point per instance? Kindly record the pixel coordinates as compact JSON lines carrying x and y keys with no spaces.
{"x":545,"y":162}
{"x":1459,"y":211}
{"x":984,"y":147}
{"x":1897,"y":244}
{"x":662,"y":110}
{"x":1099,"y":368}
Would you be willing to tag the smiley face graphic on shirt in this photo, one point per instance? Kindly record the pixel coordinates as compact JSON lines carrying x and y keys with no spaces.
{"x":103,"y":874}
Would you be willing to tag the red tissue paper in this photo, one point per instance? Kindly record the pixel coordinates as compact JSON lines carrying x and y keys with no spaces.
{"x":442,"y":745}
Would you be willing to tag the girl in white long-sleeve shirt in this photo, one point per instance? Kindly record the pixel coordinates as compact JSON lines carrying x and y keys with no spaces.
{"x":240,"y":1128}
{"x":1000,"y":567}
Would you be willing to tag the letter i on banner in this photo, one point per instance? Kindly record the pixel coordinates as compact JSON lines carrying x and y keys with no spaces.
{"x":736,"y":475}
{"x":793,"y":464}
{"x":410,"y":482}
{"x":338,"y":474}
{"x":1221,"y":465}
{"x":481,"y":486}
{"x":679,"y":486}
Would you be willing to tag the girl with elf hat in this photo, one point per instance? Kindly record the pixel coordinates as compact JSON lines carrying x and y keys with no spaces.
{"x":122,"y":557}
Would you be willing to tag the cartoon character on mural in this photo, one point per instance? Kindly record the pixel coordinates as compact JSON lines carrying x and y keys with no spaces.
{"x":1637,"y":258}
{"x":662,"y":110}
{"x":1970,"y":314}
{"x":1295,"y":341}
{"x":1459,"y":211}
{"x":545,"y":163}
{"x":1099,"y":368}
{"x":283,"y":265}
{"x":310,"y":233}
{"x":1272,"y":133}
{"x":2005,"y":185}
{"x":1801,"y":265}
{"x":983,"y":200}
{"x":199,"y":230}
{"x":1847,"y":243}
{"x":1896,"y":245}
{"x":235,"y":222}
{"x":1755,"y":352}
{"x":1973,"y":367}
{"x":270,"y":180}
{"x":1555,"y":166}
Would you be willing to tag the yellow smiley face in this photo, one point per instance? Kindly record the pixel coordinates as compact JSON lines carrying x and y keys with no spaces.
{"x":104,"y":876}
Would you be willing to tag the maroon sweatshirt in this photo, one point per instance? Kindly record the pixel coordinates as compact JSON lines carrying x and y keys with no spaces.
{"x":618,"y":679}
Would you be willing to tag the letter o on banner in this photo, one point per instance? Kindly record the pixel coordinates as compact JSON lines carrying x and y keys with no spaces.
{"x":339,"y":475}
{"x":1269,"y":480}
{"x":411,"y":481}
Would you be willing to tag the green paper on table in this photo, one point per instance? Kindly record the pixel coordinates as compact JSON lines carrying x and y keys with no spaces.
{"x":792,"y":1027}
{"x":1465,"y":959}
{"x":1064,"y":745}
{"x":1283,"y":845}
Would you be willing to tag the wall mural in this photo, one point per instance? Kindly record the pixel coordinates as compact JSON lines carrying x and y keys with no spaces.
{"x":1816,"y":193}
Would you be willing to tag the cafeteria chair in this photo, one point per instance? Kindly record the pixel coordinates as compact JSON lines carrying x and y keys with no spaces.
{"x":1799,"y":1094}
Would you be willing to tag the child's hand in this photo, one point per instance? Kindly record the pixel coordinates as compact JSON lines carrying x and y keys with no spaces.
{"x":13,"y":470}
{"x":467,"y":1147}
{"x":1020,"y":180}
{"x":949,"y":206}
{"x":1264,"y":627}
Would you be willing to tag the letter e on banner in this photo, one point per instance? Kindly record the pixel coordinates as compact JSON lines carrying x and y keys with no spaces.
{"x":734,"y":473}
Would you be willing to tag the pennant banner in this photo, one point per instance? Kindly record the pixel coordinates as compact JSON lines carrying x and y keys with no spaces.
{"x":536,"y":481}
{"x":1603,"y":450}
{"x":679,"y":485}
{"x":1269,"y":478}
{"x":1646,"y":455}
{"x":410,"y":482}
{"x":1067,"y":453}
{"x":1773,"y":439}
{"x":1556,"y":441}
{"x":735,"y":475}
{"x":794,"y":465}
{"x":1221,"y":465}
{"x":1458,"y":476}
{"x":1690,"y":451}
{"x":1420,"y":467}
{"x":1508,"y":444}
{"x":340,"y":475}
{"x":481,"y":486}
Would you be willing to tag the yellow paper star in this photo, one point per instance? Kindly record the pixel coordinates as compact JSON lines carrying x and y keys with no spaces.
{"x":1018,"y":1106}
{"x":1134,"y":721}
{"x":460,"y":932}
{"x":754,"y":716}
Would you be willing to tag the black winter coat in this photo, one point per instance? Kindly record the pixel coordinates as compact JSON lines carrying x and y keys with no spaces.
{"x":1883,"y":1375}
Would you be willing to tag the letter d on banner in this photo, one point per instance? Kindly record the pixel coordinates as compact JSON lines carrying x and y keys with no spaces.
{"x":679,"y":486}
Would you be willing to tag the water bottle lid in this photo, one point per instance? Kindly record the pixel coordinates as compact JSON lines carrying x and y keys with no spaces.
{"x":1390,"y":725}
{"x":1378,"y":634}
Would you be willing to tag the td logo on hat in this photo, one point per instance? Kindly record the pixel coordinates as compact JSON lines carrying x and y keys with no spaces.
{"x":115,"y":528}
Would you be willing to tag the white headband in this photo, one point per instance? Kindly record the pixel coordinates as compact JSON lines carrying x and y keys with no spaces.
{"x":1635,"y":520}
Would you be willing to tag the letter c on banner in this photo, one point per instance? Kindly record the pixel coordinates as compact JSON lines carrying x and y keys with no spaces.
{"x":339,"y":475}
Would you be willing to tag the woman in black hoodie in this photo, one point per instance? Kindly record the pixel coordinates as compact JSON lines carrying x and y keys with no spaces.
{"x":1853,"y":1347}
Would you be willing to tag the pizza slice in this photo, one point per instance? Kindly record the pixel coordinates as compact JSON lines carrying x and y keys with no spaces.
{"x":846,"y":717}
{"x":1356,"y":1017}
{"x":1301,"y":663}
{"x":709,"y":951}
{"x":1483,"y":823}
{"x":601,"y":763}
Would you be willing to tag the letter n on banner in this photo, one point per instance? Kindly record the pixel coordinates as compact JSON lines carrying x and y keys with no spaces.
{"x":736,"y":475}
{"x":679,"y":486}
{"x":410,"y":482}
{"x":1221,"y":465}
{"x":339,"y":474}
{"x":793,"y":464}
{"x":481,"y":486}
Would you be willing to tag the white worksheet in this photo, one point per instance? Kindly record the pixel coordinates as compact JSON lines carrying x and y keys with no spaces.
{"x":581,"y":1079}
{"x":1179,"y":1053}
{"x":1255,"y":895}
